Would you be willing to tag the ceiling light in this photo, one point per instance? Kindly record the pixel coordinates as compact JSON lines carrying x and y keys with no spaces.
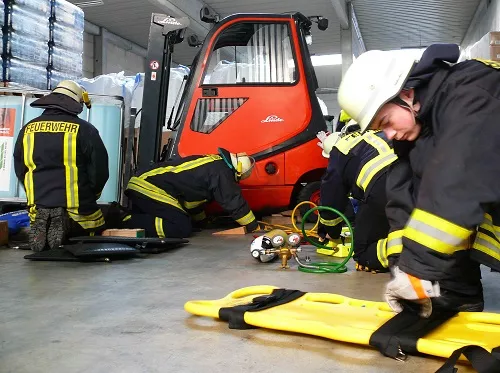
{"x":86,"y":4}
{"x":327,"y":60}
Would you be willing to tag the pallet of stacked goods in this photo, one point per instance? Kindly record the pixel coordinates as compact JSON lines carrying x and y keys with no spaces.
{"x":66,"y":42}
{"x":25,"y":50}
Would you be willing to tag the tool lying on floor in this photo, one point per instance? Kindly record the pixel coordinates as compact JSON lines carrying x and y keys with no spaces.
{"x":286,"y":245}
{"x":362,"y":322}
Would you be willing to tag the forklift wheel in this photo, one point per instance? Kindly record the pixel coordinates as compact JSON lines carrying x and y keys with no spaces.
{"x":310,"y":192}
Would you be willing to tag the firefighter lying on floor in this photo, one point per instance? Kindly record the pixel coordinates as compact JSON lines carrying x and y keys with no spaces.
{"x":357,"y":165}
{"x":63,"y":164}
{"x":443,"y":227}
{"x":168,"y":197}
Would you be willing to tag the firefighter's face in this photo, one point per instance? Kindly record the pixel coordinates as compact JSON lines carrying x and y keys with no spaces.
{"x":397,"y":121}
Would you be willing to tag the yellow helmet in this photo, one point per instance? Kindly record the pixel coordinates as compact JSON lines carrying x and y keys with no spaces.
{"x":73,"y":90}
{"x":243,"y":165}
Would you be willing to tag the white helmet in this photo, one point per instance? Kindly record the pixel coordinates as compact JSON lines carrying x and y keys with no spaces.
{"x":374,"y":78}
{"x":243,"y":165}
{"x":73,"y":90}
{"x":329,"y":143}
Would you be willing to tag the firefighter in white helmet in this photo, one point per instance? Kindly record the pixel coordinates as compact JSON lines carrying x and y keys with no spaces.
{"x":63,"y":164}
{"x":444,"y":190}
{"x":357,"y":166}
{"x":168,"y":198}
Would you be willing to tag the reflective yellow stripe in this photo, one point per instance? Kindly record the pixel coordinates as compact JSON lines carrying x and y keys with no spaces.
{"x":32,"y":213}
{"x":193,"y":204}
{"x":28,"y":147}
{"x":127,"y":218}
{"x":77,"y":217}
{"x":436,"y":233}
{"x":330,"y":223}
{"x":72,"y":201}
{"x":153,"y":192}
{"x":376,"y":142}
{"x":199,"y":217}
{"x":91,"y":221}
{"x":382,"y":252}
{"x":182,"y":167}
{"x":345,"y":144}
{"x":395,"y":243}
{"x":494,"y":64}
{"x":247,"y":219}
{"x":487,"y":245}
{"x":159,"y":227}
{"x":373,"y":167}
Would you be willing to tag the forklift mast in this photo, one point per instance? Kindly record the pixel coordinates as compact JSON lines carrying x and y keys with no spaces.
{"x":164,"y":33}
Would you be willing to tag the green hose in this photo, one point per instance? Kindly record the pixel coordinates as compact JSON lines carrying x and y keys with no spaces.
{"x":326,"y":267}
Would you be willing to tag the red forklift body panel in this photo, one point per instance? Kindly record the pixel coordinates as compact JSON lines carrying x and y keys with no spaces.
{"x":253,"y":91}
{"x":270,"y":114}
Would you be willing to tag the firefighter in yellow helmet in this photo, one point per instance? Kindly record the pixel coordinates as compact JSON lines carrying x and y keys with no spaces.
{"x":357,"y":166}
{"x":63,"y":165}
{"x":169,"y":197}
{"x":444,"y":190}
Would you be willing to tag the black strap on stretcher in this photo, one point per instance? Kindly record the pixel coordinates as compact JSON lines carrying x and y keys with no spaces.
{"x":235,"y":316}
{"x":399,"y":336}
{"x":481,"y":360}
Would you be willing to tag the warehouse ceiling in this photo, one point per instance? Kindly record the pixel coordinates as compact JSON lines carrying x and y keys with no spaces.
{"x":389,"y":24}
{"x":394,"y":24}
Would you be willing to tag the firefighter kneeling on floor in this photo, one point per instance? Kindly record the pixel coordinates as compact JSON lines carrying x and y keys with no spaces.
{"x":443,"y":200}
{"x":63,"y":164}
{"x":169,"y":197}
{"x":358,"y":165}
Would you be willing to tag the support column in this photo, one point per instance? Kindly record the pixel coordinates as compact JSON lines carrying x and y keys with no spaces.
{"x":346,"y":45}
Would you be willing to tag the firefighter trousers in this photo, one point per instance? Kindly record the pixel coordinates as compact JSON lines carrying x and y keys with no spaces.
{"x":371,"y":225}
{"x":158,"y":219}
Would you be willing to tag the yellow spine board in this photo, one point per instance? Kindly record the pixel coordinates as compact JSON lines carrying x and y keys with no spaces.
{"x":351,"y":320}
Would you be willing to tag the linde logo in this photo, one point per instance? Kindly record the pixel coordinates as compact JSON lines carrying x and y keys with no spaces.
{"x":170,"y":21}
{"x":271,"y":119}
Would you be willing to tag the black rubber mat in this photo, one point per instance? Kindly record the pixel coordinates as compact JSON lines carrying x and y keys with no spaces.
{"x":57,"y":255}
{"x":130,"y":240}
{"x":85,"y":252}
{"x":147,"y":245}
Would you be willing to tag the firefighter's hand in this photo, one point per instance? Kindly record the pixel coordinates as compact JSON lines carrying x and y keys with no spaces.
{"x":407,"y":287}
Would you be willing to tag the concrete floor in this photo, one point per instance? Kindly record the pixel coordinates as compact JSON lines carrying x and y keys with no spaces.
{"x":128,"y":316}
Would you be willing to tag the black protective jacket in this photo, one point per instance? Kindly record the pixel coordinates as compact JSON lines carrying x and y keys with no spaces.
{"x":188,"y":184}
{"x":444,"y":190}
{"x":62,"y":161}
{"x":356,"y":162}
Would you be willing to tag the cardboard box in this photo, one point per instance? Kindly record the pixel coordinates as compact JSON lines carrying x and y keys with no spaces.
{"x":495,"y":52}
{"x":494,"y":38}
{"x":124,"y":233}
{"x":4,"y":233}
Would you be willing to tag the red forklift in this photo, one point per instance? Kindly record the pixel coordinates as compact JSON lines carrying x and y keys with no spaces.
{"x":251,"y":88}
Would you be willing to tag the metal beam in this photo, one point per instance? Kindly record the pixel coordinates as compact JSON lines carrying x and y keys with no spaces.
{"x":341,"y":10}
{"x":356,"y":32}
{"x":185,"y":8}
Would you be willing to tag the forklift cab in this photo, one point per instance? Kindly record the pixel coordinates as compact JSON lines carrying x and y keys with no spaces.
{"x":252,"y":89}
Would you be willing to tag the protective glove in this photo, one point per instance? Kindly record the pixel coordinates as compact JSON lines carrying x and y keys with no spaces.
{"x":407,"y":287}
{"x":321,"y":135}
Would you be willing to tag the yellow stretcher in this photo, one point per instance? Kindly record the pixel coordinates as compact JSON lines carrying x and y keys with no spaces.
{"x":351,"y":320}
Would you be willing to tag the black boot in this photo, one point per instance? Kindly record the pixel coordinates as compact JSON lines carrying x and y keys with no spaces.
{"x":58,"y":227}
{"x":38,"y":230}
